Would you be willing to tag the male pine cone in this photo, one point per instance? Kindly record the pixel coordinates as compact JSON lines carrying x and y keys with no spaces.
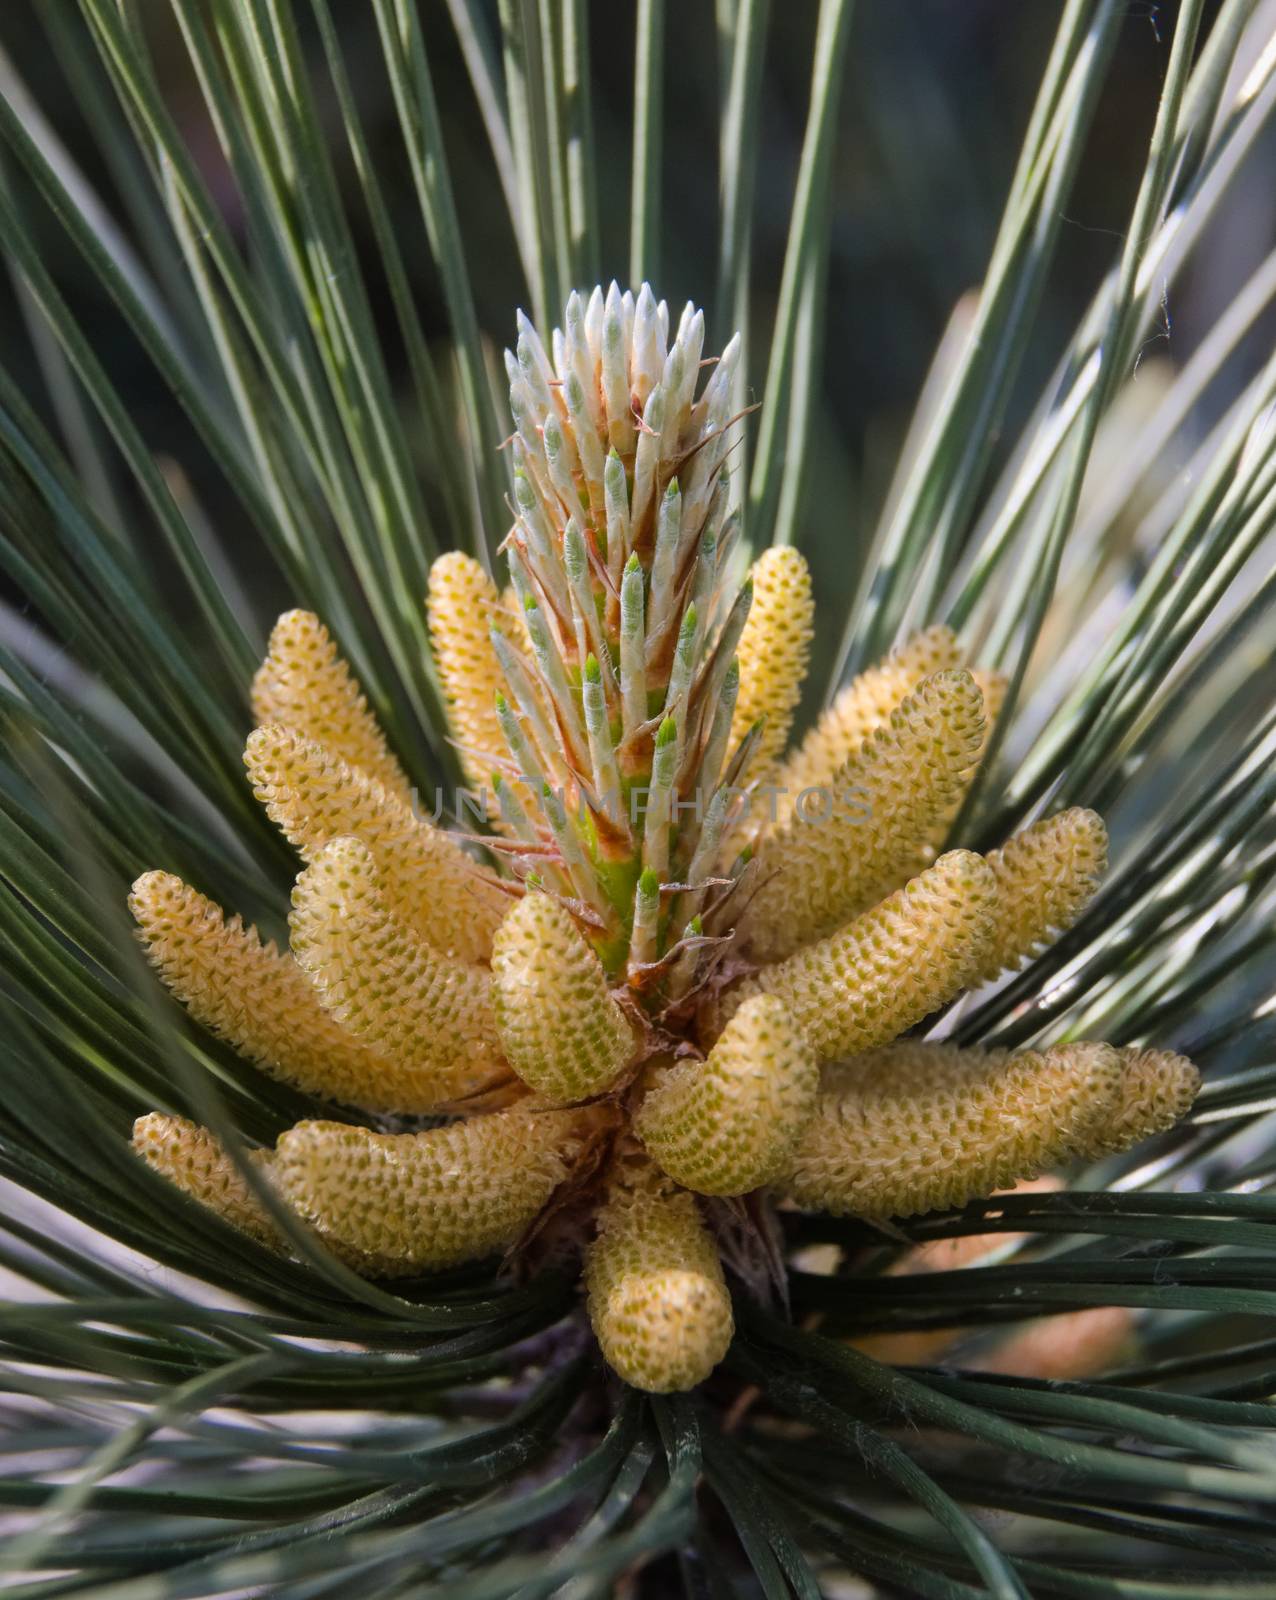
{"x":638,"y":1000}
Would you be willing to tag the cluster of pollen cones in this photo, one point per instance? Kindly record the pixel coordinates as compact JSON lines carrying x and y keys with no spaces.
{"x":638,"y":1015}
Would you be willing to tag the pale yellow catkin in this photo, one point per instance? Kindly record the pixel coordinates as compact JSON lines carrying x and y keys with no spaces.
{"x":429,"y":881}
{"x":428,"y":1016}
{"x":774,"y":650}
{"x":831,"y":862}
{"x":1046,"y":876}
{"x":992,"y":687}
{"x":657,"y":1298}
{"x":1158,"y":1088}
{"x":257,"y":999}
{"x":194,"y":1162}
{"x":462,"y":603}
{"x":303,"y":684}
{"x":860,"y":709}
{"x":731,"y":1123}
{"x":429,"y":1199}
{"x":918,"y":1127}
{"x":560,"y":1028}
{"x":866,"y":984}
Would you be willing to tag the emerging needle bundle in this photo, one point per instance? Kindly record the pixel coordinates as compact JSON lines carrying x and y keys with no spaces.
{"x":633,"y":1013}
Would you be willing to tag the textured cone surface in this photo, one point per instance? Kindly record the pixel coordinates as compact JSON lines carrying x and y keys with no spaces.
{"x":774,"y":650}
{"x":824,"y":867}
{"x":919,"y":1127}
{"x":731,"y":1123}
{"x":462,"y":604}
{"x":303,"y":684}
{"x":563,"y":1033}
{"x":1046,"y":876}
{"x":992,"y":687}
{"x":429,"y":881}
{"x":864,"y":985}
{"x":194,"y":1162}
{"x":427,"y":1016}
{"x":861,"y":708}
{"x":656,"y":1295}
{"x":256,"y":999}
{"x":1157,"y":1091}
{"x":428,"y":1199}
{"x":192,"y":1159}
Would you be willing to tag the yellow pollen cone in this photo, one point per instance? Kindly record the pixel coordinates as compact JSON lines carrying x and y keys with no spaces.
{"x":1158,"y":1088}
{"x":462,"y":603}
{"x":258,"y":999}
{"x":774,"y":650}
{"x":428,"y":1199}
{"x":1046,"y":876}
{"x":829,"y":863}
{"x":428,"y":1015}
{"x":303,"y":684}
{"x":657,"y":1299}
{"x":866,"y":984}
{"x":861,"y":708}
{"x":429,"y":881}
{"x":562,"y":1032}
{"x":917,"y":1127}
{"x":731,"y":1123}
{"x":193,"y":1160}
{"x":992,"y":686}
